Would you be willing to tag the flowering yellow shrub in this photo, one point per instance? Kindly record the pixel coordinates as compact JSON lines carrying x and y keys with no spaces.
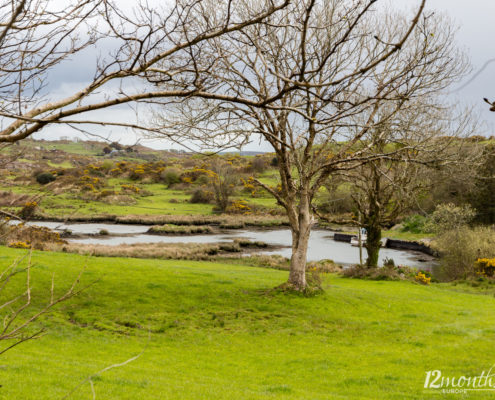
{"x":248,"y":184}
{"x":485,"y":266}
{"x":19,"y":245}
{"x":28,"y":209}
{"x":422,"y":278}
{"x":239,"y":207}
{"x":205,"y":171}
{"x":116,"y":171}
{"x":90,"y":183}
{"x":130,"y":188}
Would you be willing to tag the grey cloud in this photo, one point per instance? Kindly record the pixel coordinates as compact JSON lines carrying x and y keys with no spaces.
{"x":476,"y":35}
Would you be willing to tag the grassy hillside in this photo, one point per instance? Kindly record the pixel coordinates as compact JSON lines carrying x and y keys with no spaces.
{"x":85,"y":182}
{"x":217,"y":332}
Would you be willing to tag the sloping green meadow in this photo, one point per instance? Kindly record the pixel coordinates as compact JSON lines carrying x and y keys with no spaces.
{"x":217,"y":331}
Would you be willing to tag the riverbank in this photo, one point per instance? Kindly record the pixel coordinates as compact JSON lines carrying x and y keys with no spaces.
{"x":223,"y":221}
{"x":238,"y":251}
{"x":167,"y":251}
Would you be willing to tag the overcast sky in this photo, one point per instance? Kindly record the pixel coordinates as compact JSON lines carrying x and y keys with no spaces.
{"x":476,"y":35}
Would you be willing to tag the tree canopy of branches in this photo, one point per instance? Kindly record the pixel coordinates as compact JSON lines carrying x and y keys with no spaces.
{"x":337,"y":70}
{"x":147,"y":44}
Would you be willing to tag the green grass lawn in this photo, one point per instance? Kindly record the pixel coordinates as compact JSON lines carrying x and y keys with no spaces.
{"x":217,"y":333}
{"x":65,"y":164}
{"x":153,"y":205}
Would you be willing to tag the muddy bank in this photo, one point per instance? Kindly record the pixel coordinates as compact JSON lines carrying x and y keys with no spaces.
{"x":235,"y":252}
{"x":179,"y":251}
{"x":170,"y":229}
{"x":221,"y":221}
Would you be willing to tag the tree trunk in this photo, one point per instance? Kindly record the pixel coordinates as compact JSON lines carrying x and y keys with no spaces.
{"x":373,"y":241}
{"x":372,"y":221}
{"x":300,"y":238}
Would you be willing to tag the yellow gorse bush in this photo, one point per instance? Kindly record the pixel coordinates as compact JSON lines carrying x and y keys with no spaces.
{"x":488,"y":262}
{"x":422,"y":278}
{"x":485,"y":267}
{"x":239,"y":207}
{"x":19,"y":245}
{"x":130,"y":188}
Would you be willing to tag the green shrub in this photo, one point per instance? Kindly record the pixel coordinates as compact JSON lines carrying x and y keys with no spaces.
{"x":170,"y":177}
{"x":415,"y":224}
{"x":202,"y":180}
{"x":107,"y":165}
{"x":45,"y":177}
{"x":448,"y":217}
{"x":201,"y":196}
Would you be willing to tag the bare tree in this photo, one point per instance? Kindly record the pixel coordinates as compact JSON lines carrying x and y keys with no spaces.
{"x":223,"y":179}
{"x":343,"y":60}
{"x":148,"y":44}
{"x":385,"y":187}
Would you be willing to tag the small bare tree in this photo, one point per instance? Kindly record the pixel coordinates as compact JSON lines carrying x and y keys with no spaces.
{"x":331,"y":66}
{"x":17,"y":311}
{"x":223,"y":180}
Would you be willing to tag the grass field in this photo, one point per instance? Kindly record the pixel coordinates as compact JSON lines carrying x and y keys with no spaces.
{"x":217,"y":332}
{"x":163,"y":201}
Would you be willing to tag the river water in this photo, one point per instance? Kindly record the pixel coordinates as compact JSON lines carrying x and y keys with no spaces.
{"x":321,"y":243}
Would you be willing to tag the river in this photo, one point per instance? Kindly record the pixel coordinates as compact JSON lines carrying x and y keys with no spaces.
{"x":321,"y":243}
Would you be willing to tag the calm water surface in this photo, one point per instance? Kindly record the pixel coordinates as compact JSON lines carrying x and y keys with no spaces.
{"x":321,"y":244}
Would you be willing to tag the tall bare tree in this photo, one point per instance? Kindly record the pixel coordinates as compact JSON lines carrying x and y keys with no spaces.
{"x":146,"y":44}
{"x":330,"y":65}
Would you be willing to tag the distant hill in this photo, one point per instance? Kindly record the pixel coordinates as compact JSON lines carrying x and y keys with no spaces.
{"x":244,"y":153}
